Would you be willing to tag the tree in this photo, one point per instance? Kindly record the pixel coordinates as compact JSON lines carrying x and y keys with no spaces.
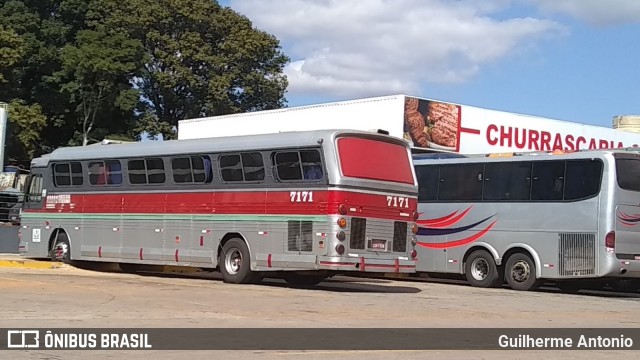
{"x":202,"y":59}
{"x":96,"y":73}
{"x":25,"y":125}
{"x":45,"y":27}
{"x":10,"y":50}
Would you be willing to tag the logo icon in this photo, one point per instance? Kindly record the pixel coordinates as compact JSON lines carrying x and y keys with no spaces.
{"x":23,"y":339}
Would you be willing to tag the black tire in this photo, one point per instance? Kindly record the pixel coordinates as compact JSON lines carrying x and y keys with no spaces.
{"x":303,"y":281}
{"x":520,"y":272}
{"x":235,"y":263}
{"x":61,"y":249}
{"x":481,"y":271}
{"x":569,"y":287}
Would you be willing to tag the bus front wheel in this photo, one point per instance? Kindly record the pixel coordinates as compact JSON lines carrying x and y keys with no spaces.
{"x":481,"y":270}
{"x":235,"y":263}
{"x":520,"y":272}
{"x":61,"y":250}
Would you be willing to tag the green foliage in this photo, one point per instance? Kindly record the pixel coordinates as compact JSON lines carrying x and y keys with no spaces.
{"x":95,"y":74}
{"x":202,"y":59}
{"x":10,"y":49}
{"x":94,"y":68}
{"x":24,"y":127}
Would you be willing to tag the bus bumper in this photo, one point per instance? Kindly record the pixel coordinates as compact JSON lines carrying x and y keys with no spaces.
{"x":363,"y":264}
{"x":629,"y":268}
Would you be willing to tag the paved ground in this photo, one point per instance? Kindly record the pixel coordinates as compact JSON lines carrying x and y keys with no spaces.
{"x":71,"y":297}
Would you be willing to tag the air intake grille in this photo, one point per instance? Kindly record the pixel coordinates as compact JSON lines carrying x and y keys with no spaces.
{"x":358,"y":232}
{"x":576,"y":254}
{"x":300,"y":236}
{"x":399,"y":236}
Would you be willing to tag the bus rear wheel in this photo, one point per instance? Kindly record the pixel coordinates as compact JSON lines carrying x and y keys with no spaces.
{"x":61,"y":250}
{"x":520,"y":272}
{"x":481,"y":270}
{"x":235,"y":263}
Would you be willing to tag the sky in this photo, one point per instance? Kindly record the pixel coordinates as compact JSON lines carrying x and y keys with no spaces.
{"x":572,"y":60}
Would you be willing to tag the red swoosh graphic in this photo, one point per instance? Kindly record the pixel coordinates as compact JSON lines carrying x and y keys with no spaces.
{"x":435,"y":221}
{"x":445,"y":220}
{"x":461,"y":242}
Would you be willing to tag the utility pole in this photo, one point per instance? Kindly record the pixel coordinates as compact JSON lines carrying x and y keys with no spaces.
{"x":4,"y":110}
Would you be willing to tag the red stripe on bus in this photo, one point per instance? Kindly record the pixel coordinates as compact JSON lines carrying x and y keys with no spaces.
{"x":446,"y":222}
{"x":362,"y":263}
{"x":269,"y":260}
{"x":397,"y":265}
{"x":436,"y":220}
{"x":321,"y":202}
{"x":99,"y":251}
{"x":201,"y":240}
{"x":461,"y":242}
{"x":141,"y":254}
{"x":177,"y":258}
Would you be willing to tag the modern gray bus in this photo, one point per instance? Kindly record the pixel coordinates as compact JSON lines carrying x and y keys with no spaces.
{"x":525,"y":218}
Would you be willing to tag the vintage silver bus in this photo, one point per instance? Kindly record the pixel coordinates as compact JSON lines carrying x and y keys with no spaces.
{"x":529,"y":217}
{"x":301,"y":205}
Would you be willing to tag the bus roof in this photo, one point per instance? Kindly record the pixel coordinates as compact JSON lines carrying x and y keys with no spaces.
{"x":233,"y":143}
{"x":534,"y":155}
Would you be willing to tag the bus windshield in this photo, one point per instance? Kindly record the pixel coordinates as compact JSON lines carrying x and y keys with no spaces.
{"x":375,"y":160}
{"x":628,"y":173}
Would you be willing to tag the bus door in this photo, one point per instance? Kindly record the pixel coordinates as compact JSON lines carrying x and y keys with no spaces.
{"x":33,"y":200}
{"x":627,"y":234}
{"x":627,"y":229}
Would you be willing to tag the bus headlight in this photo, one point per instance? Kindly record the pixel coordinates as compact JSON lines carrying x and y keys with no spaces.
{"x":414,"y":228}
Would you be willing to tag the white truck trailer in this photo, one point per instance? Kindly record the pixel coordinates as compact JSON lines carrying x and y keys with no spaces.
{"x":425,"y":123}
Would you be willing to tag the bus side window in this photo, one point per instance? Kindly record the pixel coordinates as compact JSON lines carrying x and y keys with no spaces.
{"x":583,"y":179}
{"x":97,"y":173}
{"x":507,"y":181}
{"x":208,"y":172}
{"x":288,"y":165}
{"x":428,"y":177}
{"x":548,"y":180}
{"x":311,"y":165}
{"x":114,"y":172}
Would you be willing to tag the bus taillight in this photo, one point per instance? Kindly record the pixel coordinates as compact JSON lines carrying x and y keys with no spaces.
{"x":416,"y":215}
{"x":610,"y":241}
{"x":414,"y":228}
{"x":342,"y":209}
{"x":342,"y":222}
{"x":414,"y":254}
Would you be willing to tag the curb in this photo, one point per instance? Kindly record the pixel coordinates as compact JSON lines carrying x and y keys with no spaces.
{"x":29,"y":264}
